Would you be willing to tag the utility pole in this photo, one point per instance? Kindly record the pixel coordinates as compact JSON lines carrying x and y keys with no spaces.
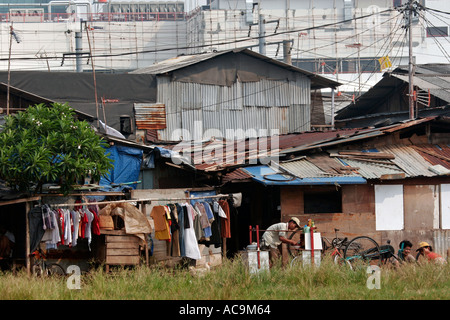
{"x":262,"y":34}
{"x":411,"y":63}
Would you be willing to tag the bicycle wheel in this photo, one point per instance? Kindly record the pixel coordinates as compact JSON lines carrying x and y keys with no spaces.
{"x":341,"y":261}
{"x":297,"y":262}
{"x":296,"y":236}
{"x":363,"y":250}
{"x":36,"y":270}
{"x":55,"y":269}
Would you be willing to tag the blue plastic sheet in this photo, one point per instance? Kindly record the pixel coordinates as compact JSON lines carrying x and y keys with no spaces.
{"x":127,"y":165}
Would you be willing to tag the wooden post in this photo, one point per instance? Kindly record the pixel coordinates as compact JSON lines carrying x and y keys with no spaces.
{"x":27,"y":237}
{"x":144,"y":211}
{"x":224,"y":247}
{"x":257,"y":246}
{"x":284,"y":254}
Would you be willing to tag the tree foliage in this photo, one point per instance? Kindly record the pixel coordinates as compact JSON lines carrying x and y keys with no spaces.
{"x":46,"y":145}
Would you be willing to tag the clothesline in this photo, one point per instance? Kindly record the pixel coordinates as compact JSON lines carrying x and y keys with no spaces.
{"x":138,"y":200}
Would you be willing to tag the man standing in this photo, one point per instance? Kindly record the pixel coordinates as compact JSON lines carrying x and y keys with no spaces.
{"x":275,"y":235}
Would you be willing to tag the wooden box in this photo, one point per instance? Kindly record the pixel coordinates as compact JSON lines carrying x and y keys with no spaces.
{"x":120,"y":248}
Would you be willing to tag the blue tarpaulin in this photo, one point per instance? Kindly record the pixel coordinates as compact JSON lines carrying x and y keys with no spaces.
{"x":127,"y":165}
{"x":267,"y":176}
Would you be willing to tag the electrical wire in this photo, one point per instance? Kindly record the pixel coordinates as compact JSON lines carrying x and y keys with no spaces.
{"x":435,"y":39}
{"x":226,"y":42}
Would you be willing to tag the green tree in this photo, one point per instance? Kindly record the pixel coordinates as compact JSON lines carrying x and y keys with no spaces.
{"x":47,"y":144}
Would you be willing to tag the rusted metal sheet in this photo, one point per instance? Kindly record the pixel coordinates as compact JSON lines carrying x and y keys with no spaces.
{"x":409,"y":160}
{"x":435,"y":154}
{"x":150,"y":116}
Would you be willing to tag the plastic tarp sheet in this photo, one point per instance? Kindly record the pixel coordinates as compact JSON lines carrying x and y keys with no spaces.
{"x":268,"y":176}
{"x":120,"y":91}
{"x":127,"y":165}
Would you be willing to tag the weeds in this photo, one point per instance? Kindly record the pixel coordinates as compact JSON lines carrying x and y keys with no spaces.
{"x":232,"y":280}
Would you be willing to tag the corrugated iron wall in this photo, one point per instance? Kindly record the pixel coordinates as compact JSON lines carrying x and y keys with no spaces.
{"x":441,"y":241}
{"x":252,"y":108}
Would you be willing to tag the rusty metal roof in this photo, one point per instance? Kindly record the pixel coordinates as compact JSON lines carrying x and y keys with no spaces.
{"x":399,"y":161}
{"x":435,"y":154}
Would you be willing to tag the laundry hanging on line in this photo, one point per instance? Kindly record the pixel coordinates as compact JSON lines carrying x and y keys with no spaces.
{"x":64,"y":226}
{"x":184,"y":225}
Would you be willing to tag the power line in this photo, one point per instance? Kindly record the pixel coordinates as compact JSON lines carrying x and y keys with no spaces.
{"x":218,"y":43}
{"x":439,"y":45}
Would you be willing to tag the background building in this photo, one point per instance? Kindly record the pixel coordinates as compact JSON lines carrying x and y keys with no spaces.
{"x":349,"y":41}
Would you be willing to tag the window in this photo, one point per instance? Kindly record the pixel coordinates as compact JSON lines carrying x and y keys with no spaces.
{"x":397,"y":3}
{"x":314,"y":201}
{"x":389,"y":207}
{"x":437,"y":31}
{"x":331,"y":66}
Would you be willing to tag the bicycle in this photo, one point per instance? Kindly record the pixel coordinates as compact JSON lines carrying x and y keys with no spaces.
{"x":339,"y":245}
{"x":42,"y":268}
{"x":361,"y":250}
{"x":365,"y":250}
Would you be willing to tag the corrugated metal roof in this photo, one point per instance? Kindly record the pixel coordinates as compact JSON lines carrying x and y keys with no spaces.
{"x":179,"y":62}
{"x":409,"y":160}
{"x":305,"y":169}
{"x":438,"y":86}
{"x":236,"y":175}
{"x":435,"y":154}
{"x":434,"y":79}
{"x":392,"y":162}
{"x":371,"y":170}
{"x":175,"y":63}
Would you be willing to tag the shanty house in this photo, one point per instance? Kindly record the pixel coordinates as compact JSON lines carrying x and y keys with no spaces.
{"x":228,"y":94}
{"x":389,"y":183}
{"x":387,"y":101}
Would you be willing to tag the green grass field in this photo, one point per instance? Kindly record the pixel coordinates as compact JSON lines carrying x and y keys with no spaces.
{"x":232,"y":281}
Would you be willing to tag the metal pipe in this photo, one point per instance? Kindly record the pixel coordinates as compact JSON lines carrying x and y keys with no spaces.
{"x":257,"y":248}
{"x":78,"y":50}
{"x":411,"y":70}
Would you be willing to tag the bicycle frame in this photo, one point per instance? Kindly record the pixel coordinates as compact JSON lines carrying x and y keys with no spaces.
{"x":42,"y":267}
{"x":337,"y":252}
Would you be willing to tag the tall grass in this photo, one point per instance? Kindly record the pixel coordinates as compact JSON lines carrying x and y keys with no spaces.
{"x":232,"y":280}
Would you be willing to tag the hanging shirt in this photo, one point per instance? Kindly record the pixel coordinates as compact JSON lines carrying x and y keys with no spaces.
{"x":197,"y":225}
{"x":217,"y":208}
{"x":67,"y":227}
{"x":190,"y":241}
{"x":76,"y":224}
{"x":61,"y":225}
{"x":53,"y":234}
{"x":225,"y":227}
{"x":182,"y":212}
{"x":88,"y":232}
{"x":83,"y":222}
{"x":160,"y":221}
{"x":95,"y":227}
